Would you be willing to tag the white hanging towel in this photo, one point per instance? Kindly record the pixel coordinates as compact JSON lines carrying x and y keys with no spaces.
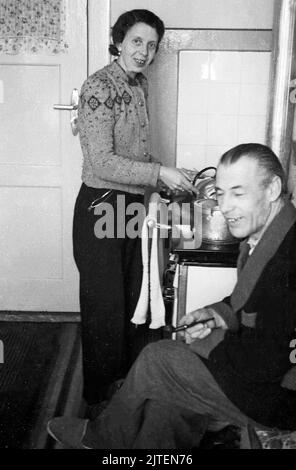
{"x":151,"y":288}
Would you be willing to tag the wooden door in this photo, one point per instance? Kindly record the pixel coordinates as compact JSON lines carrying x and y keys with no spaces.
{"x":40,"y":171}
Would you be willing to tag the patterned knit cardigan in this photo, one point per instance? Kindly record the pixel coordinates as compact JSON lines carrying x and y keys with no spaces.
{"x":114,"y":132}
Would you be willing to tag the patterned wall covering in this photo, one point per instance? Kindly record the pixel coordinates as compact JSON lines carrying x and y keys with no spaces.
{"x":32,"y":26}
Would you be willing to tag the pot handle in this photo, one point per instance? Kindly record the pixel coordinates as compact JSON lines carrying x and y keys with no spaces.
{"x":203,"y":171}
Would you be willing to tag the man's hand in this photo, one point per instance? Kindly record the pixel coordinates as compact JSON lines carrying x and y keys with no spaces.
{"x":200,"y":330}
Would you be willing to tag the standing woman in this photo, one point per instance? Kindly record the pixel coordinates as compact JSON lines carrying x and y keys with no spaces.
{"x":115,"y":141}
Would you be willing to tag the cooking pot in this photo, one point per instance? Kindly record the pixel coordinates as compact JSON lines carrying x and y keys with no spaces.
{"x":213,"y":227}
{"x":206,"y":219}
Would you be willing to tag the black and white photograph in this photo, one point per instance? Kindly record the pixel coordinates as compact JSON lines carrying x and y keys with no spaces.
{"x":148,"y":227}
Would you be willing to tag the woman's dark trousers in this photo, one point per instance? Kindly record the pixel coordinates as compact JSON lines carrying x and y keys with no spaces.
{"x":110,"y":281}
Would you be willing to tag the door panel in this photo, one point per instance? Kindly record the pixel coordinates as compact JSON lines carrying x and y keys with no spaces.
{"x":28,"y":93}
{"x":40,"y":171}
{"x":33,"y":256}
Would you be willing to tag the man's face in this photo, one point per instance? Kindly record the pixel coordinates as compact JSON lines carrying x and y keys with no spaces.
{"x":242,"y":197}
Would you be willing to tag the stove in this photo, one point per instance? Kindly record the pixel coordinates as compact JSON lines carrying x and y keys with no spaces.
{"x":208,"y":255}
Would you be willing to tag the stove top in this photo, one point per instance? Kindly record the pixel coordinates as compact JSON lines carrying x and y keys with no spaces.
{"x":209,"y":255}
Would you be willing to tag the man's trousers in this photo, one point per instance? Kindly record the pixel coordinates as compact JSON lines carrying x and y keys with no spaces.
{"x":168,"y":401}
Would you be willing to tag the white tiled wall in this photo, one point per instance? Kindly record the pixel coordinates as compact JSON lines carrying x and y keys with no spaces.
{"x":222,"y":102}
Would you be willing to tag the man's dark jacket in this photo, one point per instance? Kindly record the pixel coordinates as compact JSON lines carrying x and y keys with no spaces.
{"x":251,"y":358}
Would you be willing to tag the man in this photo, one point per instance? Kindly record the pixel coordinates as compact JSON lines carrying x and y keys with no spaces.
{"x":231,"y":370}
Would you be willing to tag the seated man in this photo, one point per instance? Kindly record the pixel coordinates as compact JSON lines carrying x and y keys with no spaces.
{"x":230,"y":369}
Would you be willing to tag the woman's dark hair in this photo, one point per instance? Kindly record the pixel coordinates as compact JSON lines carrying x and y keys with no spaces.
{"x":265,"y":157}
{"x":129,"y":19}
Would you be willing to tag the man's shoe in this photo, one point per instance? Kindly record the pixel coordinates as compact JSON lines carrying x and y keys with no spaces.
{"x":68,"y":431}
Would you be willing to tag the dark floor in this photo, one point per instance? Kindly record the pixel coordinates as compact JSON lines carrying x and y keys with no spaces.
{"x":40,"y":379}
{"x":31,"y":351}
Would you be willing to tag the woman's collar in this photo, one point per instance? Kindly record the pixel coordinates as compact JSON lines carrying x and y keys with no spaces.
{"x":137,"y":80}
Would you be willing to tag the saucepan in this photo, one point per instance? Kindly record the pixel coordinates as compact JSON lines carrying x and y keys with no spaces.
{"x":206,"y":220}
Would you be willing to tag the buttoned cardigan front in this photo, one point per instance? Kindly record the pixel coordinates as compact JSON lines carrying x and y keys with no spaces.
{"x":114,"y":132}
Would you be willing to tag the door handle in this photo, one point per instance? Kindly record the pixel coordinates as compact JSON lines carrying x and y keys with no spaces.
{"x":64,"y":107}
{"x":73,"y":107}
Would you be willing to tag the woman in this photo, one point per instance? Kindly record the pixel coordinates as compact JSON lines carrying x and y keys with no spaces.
{"x":114,"y":135}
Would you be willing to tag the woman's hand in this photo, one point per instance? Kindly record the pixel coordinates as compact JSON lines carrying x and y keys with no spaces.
{"x":191,"y":174}
{"x":176,"y":179}
{"x":200,"y":330}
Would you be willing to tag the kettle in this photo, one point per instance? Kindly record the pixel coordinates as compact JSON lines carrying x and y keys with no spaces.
{"x":213,"y":228}
{"x":206,"y":220}
{"x":206,"y":186}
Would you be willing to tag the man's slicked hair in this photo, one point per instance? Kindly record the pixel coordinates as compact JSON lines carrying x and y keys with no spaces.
{"x":263,"y":155}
